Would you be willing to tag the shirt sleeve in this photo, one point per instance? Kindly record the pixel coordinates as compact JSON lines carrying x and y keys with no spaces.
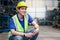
{"x":11,"y":24}
{"x":30,"y":19}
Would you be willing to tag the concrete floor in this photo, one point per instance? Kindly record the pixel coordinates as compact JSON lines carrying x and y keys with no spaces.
{"x":48,"y":33}
{"x":45,"y":33}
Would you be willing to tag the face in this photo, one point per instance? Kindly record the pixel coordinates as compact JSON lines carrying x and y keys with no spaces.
{"x":22,"y":10}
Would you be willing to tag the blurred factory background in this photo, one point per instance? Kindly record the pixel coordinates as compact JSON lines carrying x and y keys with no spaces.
{"x":44,"y":12}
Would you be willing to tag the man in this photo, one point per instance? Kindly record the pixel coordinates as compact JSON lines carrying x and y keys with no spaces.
{"x":19,"y":24}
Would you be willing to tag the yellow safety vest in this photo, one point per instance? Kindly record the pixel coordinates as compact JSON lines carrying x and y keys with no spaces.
{"x":18,"y":26}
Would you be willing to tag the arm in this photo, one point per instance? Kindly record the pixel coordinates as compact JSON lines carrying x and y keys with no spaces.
{"x":36,"y":26}
{"x":29,"y":35}
{"x":17,"y":33}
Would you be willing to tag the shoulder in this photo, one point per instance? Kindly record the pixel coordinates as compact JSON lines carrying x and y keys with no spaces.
{"x":14,"y":15}
{"x":28,"y":15}
{"x":11,"y":18}
{"x":30,"y":19}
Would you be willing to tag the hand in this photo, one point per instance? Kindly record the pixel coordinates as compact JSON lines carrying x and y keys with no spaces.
{"x":34,"y":33}
{"x":28,"y":35}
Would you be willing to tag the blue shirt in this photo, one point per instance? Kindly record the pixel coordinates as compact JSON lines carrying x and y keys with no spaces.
{"x":12,"y":25}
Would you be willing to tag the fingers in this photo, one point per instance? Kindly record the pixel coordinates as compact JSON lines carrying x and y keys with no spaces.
{"x":29,"y":35}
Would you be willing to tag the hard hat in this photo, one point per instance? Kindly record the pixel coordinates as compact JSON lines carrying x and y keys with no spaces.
{"x":21,"y":4}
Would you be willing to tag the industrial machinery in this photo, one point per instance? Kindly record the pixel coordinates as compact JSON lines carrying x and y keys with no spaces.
{"x":56,"y":22}
{"x":7,"y":10}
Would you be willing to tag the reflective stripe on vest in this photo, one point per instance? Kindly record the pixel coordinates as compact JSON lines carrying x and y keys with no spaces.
{"x":18,"y":26}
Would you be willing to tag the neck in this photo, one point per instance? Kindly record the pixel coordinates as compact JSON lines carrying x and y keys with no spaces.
{"x":20,"y":16}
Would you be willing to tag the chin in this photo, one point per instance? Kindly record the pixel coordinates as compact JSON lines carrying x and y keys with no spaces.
{"x":23,"y":14}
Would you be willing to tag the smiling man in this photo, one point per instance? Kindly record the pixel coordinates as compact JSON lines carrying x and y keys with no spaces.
{"x":19,"y":24}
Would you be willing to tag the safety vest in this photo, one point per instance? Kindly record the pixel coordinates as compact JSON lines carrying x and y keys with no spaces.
{"x":18,"y":26}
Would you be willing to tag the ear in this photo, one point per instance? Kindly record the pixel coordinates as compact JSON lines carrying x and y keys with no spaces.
{"x":17,"y":10}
